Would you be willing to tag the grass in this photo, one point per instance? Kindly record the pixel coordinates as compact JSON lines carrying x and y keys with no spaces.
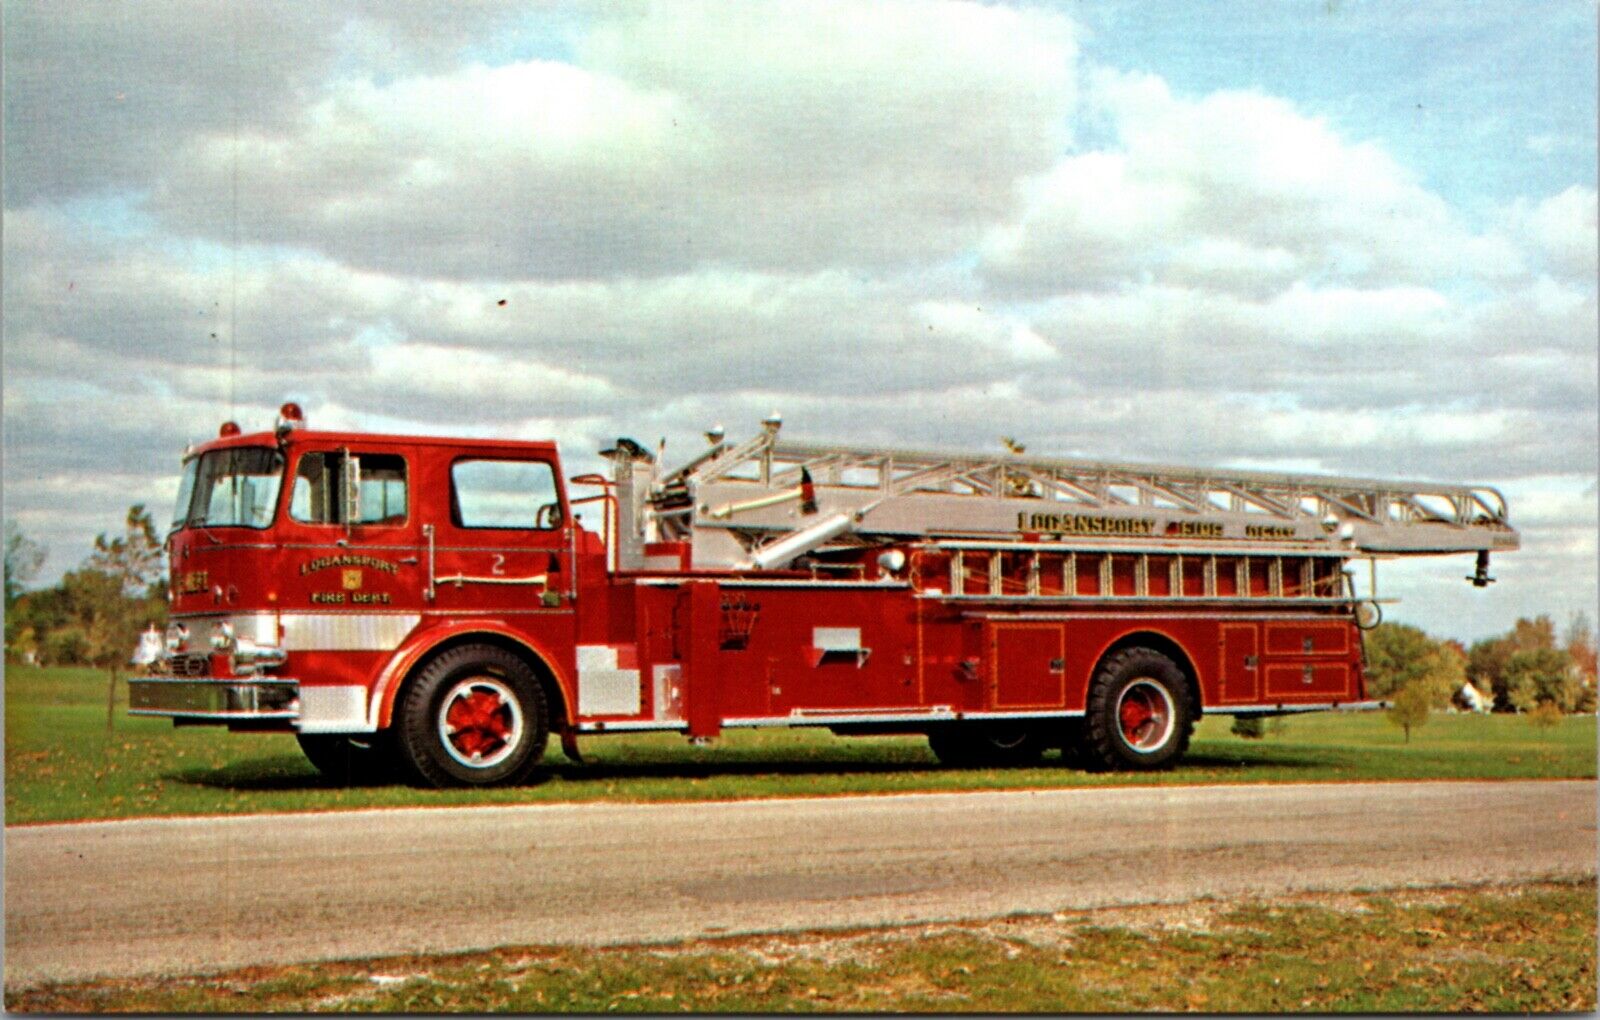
{"x":1484,"y":949}
{"x":62,"y":763}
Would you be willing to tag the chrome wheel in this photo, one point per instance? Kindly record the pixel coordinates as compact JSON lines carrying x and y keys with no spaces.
{"x":1145,"y":716}
{"x":480,"y":722}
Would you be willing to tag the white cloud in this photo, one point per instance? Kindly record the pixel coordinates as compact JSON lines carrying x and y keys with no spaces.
{"x":1234,"y":191}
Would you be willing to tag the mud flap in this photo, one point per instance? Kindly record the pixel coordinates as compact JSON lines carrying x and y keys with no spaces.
{"x":569,"y":746}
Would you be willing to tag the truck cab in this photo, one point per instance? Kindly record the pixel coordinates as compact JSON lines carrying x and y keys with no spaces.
{"x":309,"y":569}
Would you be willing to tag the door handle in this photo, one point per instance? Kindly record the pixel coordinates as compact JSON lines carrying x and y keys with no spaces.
{"x":1249,"y":662}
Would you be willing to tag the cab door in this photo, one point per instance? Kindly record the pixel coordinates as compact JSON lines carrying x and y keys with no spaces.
{"x":504,"y":546}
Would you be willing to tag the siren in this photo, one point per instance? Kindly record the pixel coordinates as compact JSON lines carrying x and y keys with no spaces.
{"x":229,"y":428}
{"x":290,"y":417}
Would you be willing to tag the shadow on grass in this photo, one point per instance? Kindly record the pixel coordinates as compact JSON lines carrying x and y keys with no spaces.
{"x":287,"y":772}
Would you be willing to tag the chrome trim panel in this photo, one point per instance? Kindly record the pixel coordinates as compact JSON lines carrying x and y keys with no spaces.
{"x":340,"y":709}
{"x":346,"y":632}
{"x":603,"y":687}
{"x":631,"y":725}
{"x":1286,"y":707}
{"x":214,"y":700}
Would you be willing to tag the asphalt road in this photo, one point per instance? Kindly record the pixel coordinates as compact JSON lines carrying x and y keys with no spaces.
{"x":189,"y":895}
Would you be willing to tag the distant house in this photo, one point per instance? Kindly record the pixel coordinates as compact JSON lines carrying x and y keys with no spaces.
{"x":1470,"y":699}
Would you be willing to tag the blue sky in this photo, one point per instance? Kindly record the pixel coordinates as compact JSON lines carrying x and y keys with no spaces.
{"x":1353,"y":238}
{"x":1464,"y":94}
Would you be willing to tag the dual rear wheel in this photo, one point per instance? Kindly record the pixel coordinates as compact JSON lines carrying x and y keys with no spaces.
{"x":1139,"y":717}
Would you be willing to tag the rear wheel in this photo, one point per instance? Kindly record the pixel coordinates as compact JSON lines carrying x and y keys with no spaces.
{"x":1140,"y":715}
{"x":998,"y":744}
{"x":474,"y":716}
{"x":353,"y":757}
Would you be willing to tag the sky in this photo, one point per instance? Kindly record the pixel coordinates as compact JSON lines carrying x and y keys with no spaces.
{"x":1338,"y":237}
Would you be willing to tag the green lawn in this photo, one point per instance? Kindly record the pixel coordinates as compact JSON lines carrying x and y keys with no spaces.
{"x":1488,"y":949}
{"x":62,"y":763}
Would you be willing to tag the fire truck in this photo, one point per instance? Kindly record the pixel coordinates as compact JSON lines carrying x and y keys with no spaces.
{"x":432,"y":608}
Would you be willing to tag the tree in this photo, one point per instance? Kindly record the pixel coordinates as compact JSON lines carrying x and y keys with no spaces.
{"x":24,"y":557}
{"x":133,"y":559}
{"x":1581,"y":650}
{"x":1489,"y":660}
{"x":1541,"y":675}
{"x":1411,"y":707}
{"x":1544,"y":717}
{"x":1399,"y":656}
{"x":1395,"y":657}
{"x":1250,"y":727}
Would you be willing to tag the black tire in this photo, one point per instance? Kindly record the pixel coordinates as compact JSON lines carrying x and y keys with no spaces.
{"x":1006,"y":745}
{"x":1132,"y":683}
{"x":499,"y":706}
{"x":353,"y":758}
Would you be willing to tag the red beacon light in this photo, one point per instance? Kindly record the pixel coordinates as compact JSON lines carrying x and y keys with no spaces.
{"x":290,"y":417}
{"x":229,"y":429}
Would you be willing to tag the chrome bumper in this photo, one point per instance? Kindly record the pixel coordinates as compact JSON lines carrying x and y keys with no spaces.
{"x":236,"y":699}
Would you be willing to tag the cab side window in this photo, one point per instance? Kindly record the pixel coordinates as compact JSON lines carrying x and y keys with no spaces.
{"x":318,"y":493}
{"x":504,"y":494}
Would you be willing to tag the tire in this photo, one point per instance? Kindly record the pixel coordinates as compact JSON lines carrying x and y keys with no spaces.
{"x":968,"y":744}
{"x":474,"y":716}
{"x":1140,"y":714}
{"x":353,"y":758}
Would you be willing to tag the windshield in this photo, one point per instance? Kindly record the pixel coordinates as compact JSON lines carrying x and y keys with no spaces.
{"x":237,"y":487}
{"x":180,"y":510}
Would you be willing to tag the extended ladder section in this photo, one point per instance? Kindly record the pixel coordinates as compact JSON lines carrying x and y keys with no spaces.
{"x":762,"y":504}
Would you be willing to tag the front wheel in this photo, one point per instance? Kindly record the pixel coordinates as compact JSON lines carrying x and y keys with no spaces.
{"x":358,"y":758}
{"x":1139,"y":716}
{"x":474,"y":716}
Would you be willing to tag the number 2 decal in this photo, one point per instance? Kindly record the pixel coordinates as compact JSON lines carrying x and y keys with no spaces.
{"x":499,"y":568}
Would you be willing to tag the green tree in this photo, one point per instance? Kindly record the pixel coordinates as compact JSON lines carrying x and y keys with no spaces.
{"x":1541,"y":675}
{"x":1489,"y":660}
{"x":134,"y":558}
{"x":24,"y":557}
{"x":1399,"y":656}
{"x":1546,"y":716}
{"x":1411,"y":707}
{"x":1250,"y":727}
{"x":1396,"y":654}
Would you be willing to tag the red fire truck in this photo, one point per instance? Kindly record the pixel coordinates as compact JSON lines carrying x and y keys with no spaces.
{"x":433,"y":608}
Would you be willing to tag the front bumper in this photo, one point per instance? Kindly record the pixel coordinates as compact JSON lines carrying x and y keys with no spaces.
{"x":211,"y":700}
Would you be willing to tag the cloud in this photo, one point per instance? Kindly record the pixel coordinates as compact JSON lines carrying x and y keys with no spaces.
{"x":1235,"y":191}
{"x":756,"y":136}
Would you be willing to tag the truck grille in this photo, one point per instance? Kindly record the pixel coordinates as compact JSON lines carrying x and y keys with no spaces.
{"x":187,"y":665}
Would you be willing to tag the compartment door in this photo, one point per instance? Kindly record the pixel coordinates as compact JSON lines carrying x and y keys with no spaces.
{"x":1240,"y":668}
{"x":1027,"y":665}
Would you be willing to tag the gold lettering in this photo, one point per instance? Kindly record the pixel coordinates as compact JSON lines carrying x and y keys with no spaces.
{"x":327,"y":598}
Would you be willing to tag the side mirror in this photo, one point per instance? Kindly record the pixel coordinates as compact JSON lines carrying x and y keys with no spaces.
{"x":350,"y":482}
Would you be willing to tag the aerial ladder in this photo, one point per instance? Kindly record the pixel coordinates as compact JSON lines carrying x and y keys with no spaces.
{"x":769,"y":504}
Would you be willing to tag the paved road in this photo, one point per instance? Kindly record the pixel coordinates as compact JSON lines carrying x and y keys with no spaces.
{"x":144,"y":897}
